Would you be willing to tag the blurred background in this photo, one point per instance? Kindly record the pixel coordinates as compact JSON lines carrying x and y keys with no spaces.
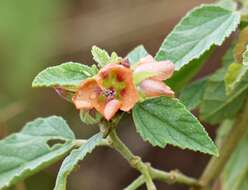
{"x":38,"y":34}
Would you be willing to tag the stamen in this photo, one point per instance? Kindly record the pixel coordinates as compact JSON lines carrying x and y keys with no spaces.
{"x":109,"y":94}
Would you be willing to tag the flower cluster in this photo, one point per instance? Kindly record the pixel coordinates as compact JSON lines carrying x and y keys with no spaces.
{"x":113,"y":88}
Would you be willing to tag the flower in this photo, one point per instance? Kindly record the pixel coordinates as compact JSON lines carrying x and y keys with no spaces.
{"x":154,"y":86}
{"x":112,"y":89}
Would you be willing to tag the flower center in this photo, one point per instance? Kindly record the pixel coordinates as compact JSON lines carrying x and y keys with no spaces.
{"x":113,"y":86}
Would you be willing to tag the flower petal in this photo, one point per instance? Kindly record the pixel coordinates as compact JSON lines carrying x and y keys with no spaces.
{"x":128,"y":95}
{"x":152,"y":87}
{"x":111,"y":108}
{"x":86,"y":95}
{"x":164,"y":69}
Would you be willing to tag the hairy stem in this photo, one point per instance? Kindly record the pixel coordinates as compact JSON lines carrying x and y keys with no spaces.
{"x":133,"y":160}
{"x":216,"y":164}
{"x":148,"y":173}
{"x":167,"y":177}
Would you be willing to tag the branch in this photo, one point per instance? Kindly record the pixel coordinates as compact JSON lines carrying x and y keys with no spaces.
{"x":167,"y":177}
{"x":216,"y":164}
{"x":148,"y":173}
{"x":133,"y":160}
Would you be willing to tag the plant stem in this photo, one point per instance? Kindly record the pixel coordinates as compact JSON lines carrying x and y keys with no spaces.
{"x":133,"y":160}
{"x":216,"y":164}
{"x":167,"y":177}
{"x":148,"y":173}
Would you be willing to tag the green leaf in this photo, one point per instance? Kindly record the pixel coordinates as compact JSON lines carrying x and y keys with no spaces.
{"x":165,"y":120}
{"x":228,"y":4}
{"x":217,"y":105}
{"x":90,"y":117}
{"x":192,"y":95}
{"x":235,"y":175}
{"x":236,"y":72}
{"x":231,"y":76}
{"x":102,"y":57}
{"x":27,"y":152}
{"x":183,"y":76}
{"x":136,"y":54}
{"x":68,"y":75}
{"x":200,"y":29}
{"x":72,"y":160}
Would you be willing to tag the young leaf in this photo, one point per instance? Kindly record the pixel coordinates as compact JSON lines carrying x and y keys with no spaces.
{"x":100,"y":56}
{"x":27,"y":152}
{"x":235,"y":175}
{"x":192,"y":95}
{"x":72,"y":160}
{"x":136,"y":54}
{"x":67,"y":75}
{"x":165,"y":120}
{"x":201,"y":28}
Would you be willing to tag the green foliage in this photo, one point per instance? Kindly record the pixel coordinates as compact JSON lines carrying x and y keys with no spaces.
{"x":235,"y":176}
{"x":27,"y":152}
{"x":228,"y":4}
{"x":102,"y":57}
{"x":192,"y":95}
{"x":72,"y":160}
{"x":165,"y":120}
{"x":136,"y":54}
{"x":217,"y":105}
{"x":231,"y":76}
{"x":184,"y":75}
{"x":90,"y":117}
{"x":200,"y":29}
{"x":67,"y":75}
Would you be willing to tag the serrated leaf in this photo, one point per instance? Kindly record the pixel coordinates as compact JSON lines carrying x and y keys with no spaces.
{"x":72,"y":160}
{"x":68,"y":75}
{"x":165,"y":120}
{"x":27,"y":152}
{"x":217,"y":105}
{"x":200,"y":29}
{"x":235,"y":175}
{"x":100,"y":56}
{"x":192,"y":95}
{"x":136,"y":54}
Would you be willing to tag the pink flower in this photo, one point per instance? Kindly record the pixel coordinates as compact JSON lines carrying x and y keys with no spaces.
{"x":154,"y":86}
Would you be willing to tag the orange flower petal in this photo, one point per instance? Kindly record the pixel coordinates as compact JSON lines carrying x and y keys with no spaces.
{"x":164,"y":69}
{"x":128,"y":96}
{"x":152,"y":87}
{"x":111,"y":108}
{"x":86,"y":95}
